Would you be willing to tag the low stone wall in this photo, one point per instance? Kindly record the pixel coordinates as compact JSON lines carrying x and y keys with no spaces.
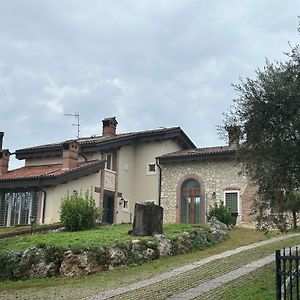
{"x":53,"y":261}
{"x":27,"y":230}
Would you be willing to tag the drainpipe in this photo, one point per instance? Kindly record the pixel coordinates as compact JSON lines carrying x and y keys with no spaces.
{"x":84,"y":157}
{"x":44,"y":204}
{"x":159,"y":183}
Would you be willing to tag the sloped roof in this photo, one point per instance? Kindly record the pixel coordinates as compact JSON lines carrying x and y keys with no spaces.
{"x":94,"y":143}
{"x":198,"y":154}
{"x":31,"y":176}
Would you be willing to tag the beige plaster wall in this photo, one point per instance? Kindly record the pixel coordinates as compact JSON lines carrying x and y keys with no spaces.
{"x":43,"y":161}
{"x":135,"y":184}
{"x":216,"y":176}
{"x":145,"y":185}
{"x":126,"y":163}
{"x":55,"y":194}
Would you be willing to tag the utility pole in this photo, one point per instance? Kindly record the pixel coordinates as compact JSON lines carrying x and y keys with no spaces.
{"x":76,"y":116}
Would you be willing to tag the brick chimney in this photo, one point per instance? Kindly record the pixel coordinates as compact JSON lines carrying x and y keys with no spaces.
{"x":109,"y":126}
{"x":4,"y":160}
{"x":234,"y":133}
{"x":70,"y":154}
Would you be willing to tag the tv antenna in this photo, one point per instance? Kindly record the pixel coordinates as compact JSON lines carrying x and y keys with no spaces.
{"x":76,"y":116}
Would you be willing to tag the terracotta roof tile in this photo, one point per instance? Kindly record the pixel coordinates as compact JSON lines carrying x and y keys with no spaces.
{"x":199,"y":152}
{"x":100,"y":139}
{"x":44,"y":171}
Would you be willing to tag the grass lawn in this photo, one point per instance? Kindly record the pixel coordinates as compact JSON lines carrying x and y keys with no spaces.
{"x":79,"y":287}
{"x":258,"y":285}
{"x":204,"y":273}
{"x":104,"y":235}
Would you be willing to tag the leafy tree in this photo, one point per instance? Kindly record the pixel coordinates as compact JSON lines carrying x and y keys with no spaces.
{"x":293,"y":205}
{"x":267,"y":110}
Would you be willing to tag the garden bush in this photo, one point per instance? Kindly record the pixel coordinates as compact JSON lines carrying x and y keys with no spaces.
{"x":78,"y":213}
{"x":221,"y":213}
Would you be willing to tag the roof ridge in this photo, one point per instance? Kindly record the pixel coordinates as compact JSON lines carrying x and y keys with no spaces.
{"x":119,"y":138}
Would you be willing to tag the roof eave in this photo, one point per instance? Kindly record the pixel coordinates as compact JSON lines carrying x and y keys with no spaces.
{"x":56,"y":150}
{"x":43,"y":181}
{"x":195,"y":157}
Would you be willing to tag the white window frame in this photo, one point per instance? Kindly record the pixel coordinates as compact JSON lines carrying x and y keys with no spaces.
{"x":111,"y":161}
{"x":151,"y":172}
{"x":238,"y":198}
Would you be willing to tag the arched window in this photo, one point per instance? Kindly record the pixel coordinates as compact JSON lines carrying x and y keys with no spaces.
{"x":190,"y":201}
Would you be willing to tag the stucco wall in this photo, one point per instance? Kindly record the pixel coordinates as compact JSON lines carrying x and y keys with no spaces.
{"x":145,"y":185}
{"x":126,"y":162}
{"x":215,"y":176}
{"x":43,"y":161}
{"x":56,"y":194}
{"x":135,"y":184}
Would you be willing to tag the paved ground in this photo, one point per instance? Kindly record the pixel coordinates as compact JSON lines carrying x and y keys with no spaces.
{"x":221,"y":280}
{"x":246,"y":265}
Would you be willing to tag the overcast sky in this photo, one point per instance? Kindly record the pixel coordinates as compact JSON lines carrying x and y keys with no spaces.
{"x":150,"y":63}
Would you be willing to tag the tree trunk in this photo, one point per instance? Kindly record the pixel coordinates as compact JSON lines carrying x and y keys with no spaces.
{"x":148,"y":219}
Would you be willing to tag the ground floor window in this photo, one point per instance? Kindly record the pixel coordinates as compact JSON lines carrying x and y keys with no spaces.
{"x":17,"y":207}
{"x":231,"y":200}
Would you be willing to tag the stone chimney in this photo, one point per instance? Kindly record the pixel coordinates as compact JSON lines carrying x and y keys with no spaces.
{"x":234,"y":133}
{"x":109,"y":126}
{"x":4,"y":160}
{"x":70,"y":154}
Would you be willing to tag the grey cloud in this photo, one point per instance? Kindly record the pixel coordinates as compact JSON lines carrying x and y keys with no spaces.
{"x":150,"y":63}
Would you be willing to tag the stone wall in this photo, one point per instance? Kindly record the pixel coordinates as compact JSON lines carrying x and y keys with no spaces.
{"x":215,"y":177}
{"x":47,"y":261}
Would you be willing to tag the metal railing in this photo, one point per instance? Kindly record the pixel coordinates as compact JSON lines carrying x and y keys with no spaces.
{"x":287,"y":274}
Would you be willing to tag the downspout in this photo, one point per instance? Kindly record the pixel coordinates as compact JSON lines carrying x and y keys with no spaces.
{"x":159,"y":183}
{"x":44,"y":204}
{"x":84,"y":157}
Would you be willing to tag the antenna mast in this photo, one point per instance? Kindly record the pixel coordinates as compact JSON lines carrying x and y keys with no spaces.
{"x":76,"y":115}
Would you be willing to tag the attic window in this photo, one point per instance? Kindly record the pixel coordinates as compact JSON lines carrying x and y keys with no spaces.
{"x":151,"y":168}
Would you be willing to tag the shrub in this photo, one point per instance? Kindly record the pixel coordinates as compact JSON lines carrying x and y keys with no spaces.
{"x":200,"y":238}
{"x":54,"y":254}
{"x":78,"y":213}
{"x":221,"y":213}
{"x":97,"y":254}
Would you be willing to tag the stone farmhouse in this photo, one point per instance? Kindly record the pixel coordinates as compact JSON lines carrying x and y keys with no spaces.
{"x":119,"y":170}
{"x":192,"y":180}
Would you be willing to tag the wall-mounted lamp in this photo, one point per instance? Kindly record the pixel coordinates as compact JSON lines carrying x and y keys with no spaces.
{"x":121,"y":201}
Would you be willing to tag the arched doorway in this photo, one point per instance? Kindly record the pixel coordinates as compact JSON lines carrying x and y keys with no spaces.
{"x":190,"y":202}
